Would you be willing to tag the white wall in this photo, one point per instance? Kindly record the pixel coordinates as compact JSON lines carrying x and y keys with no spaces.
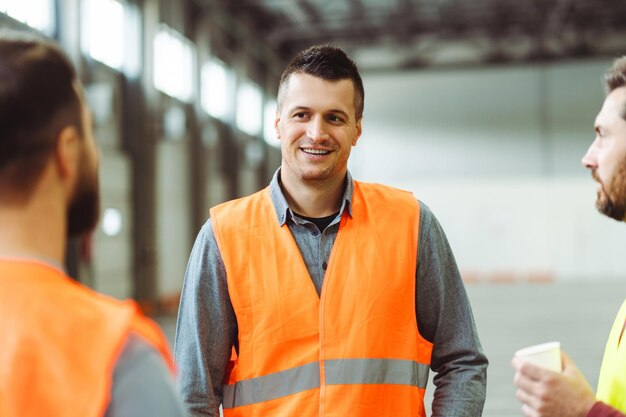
{"x":112,"y":255}
{"x":174,"y":237}
{"x":519,"y":229}
{"x":496,"y":154}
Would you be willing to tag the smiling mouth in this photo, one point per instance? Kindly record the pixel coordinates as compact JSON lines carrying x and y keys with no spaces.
{"x":316,"y":152}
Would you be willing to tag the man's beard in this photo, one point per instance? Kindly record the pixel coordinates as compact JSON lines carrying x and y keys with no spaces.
{"x":84,"y":209}
{"x":612,"y":196}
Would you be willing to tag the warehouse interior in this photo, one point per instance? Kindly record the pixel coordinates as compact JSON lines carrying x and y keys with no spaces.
{"x":483,"y":109}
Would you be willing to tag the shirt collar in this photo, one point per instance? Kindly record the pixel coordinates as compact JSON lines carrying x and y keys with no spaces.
{"x":283,"y":212}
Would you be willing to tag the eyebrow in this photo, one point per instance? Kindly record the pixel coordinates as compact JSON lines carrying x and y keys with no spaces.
{"x":295,"y":108}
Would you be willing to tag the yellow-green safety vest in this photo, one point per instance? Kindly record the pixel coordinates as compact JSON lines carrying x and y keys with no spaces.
{"x":612,"y":381}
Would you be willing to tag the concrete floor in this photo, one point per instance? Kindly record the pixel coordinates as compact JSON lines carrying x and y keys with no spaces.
{"x":509,"y":317}
{"x":512,"y":316}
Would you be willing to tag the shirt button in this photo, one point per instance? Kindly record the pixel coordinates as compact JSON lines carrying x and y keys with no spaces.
{"x":315,"y":232}
{"x":324,"y":265}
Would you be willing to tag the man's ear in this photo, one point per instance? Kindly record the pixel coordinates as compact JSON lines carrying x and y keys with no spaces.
{"x":276,"y":121}
{"x":67,"y":152}
{"x":359,"y":130}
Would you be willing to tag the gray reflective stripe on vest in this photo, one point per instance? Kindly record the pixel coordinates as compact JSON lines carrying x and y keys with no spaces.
{"x":376,"y":371}
{"x":338,"y":372}
{"x":272,"y":386}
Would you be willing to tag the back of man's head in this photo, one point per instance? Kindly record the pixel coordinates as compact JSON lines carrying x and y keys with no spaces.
{"x":329,"y":63}
{"x":38,"y":99}
{"x":615,"y":78}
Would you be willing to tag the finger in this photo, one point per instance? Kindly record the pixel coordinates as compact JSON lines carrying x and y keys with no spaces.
{"x":529,"y":411}
{"x":530,"y":371}
{"x":566,"y":360}
{"x":569,"y":368}
{"x":515,"y":362}
{"x":535,"y":372}
{"x":527,"y":398}
{"x":527,"y":384}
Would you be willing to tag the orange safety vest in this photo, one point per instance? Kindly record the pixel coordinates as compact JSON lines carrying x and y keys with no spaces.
{"x":353,"y":351}
{"x":60,"y":341}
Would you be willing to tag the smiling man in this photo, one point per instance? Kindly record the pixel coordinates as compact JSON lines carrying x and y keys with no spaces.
{"x":567,"y":394}
{"x":321,"y":295}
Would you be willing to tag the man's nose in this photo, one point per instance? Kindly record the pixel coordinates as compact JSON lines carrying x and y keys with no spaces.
{"x":316,"y":130}
{"x":590,"y":159}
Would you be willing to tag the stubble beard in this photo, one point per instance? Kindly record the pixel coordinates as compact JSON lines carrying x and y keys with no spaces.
{"x":84,"y":209}
{"x":611,"y":199}
{"x":314,"y":175}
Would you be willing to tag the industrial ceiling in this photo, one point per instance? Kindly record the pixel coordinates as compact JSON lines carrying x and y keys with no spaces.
{"x":405,"y":34}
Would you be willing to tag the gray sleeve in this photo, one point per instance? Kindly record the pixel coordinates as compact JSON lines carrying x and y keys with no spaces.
{"x":206,"y":329}
{"x":142,"y":384}
{"x":445,"y":318}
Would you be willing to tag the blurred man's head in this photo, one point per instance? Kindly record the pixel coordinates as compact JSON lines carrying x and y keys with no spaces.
{"x":40,"y":103}
{"x":606,"y":157}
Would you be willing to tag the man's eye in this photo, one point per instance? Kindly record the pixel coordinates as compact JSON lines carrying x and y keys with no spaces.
{"x":335,"y":119}
{"x":300,"y":115}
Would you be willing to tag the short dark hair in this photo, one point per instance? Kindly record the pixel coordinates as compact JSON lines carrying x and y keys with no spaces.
{"x":615,"y":77}
{"x":329,"y":63}
{"x":38,"y":99}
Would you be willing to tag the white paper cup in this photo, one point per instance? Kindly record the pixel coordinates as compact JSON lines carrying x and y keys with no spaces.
{"x":546,"y":355}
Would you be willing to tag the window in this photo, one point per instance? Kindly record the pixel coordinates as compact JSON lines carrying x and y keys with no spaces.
{"x":217,"y":86}
{"x":38,"y":14}
{"x":249,"y":108}
{"x":269,"y":115}
{"x":112,"y":222}
{"x":173,"y":64}
{"x":104,"y":32}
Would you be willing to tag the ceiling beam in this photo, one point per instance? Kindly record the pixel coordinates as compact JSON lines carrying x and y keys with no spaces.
{"x":311,"y":11}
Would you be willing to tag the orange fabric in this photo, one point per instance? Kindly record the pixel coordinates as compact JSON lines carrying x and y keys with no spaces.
{"x":366,"y":309}
{"x":60,"y":342}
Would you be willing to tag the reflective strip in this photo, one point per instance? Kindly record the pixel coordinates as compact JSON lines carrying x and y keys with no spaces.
{"x":272,"y":386}
{"x":376,"y":371}
{"x":337,"y":371}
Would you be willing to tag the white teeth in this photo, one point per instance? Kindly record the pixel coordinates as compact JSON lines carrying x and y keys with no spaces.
{"x":315,"y":151}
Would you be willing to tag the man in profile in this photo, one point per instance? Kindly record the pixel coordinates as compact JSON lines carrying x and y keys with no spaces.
{"x":65,"y":350}
{"x":567,"y":394}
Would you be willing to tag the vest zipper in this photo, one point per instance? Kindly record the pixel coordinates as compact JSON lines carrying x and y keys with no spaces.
{"x":325,"y":285}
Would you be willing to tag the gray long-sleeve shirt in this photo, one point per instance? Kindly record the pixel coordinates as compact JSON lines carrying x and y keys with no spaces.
{"x":142,"y":384}
{"x":207,"y":325}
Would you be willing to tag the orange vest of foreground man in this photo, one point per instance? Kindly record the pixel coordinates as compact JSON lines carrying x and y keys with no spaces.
{"x":59,"y":342}
{"x":356,"y":350}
